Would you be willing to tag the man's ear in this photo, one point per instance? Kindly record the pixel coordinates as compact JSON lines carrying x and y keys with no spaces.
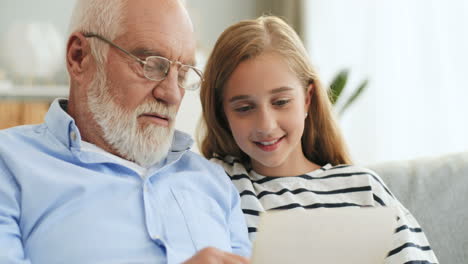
{"x":79,"y":57}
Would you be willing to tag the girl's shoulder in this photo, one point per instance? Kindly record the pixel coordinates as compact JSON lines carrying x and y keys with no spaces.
{"x":347,"y":168}
{"x":348,"y":171}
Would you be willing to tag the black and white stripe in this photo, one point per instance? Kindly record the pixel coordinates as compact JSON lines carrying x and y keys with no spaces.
{"x":328,"y":187}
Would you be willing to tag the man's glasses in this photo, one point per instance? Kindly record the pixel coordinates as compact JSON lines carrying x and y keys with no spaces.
{"x":156,"y":68}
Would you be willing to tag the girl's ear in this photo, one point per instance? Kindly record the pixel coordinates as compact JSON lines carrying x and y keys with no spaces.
{"x":308,"y":96}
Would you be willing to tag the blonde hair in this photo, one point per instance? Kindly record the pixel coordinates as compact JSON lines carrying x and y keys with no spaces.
{"x":322,"y":142}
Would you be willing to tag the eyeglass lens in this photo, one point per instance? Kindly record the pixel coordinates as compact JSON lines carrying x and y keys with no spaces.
{"x":157,"y":68}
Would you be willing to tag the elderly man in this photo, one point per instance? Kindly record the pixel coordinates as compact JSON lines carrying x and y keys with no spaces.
{"x":106,"y":178}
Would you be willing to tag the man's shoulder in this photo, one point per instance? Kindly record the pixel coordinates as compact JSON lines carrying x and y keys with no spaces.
{"x":195,"y":161}
{"x":20,"y":133}
{"x":17,"y":143}
{"x":198,"y":173}
{"x":196,"y":157}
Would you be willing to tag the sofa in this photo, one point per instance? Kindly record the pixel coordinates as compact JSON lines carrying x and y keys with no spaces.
{"x":435,"y":190}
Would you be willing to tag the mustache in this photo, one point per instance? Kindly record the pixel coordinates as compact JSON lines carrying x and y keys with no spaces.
{"x":156,"y":107}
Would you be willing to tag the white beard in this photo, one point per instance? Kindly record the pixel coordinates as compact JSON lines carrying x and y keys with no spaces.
{"x":145,"y":145}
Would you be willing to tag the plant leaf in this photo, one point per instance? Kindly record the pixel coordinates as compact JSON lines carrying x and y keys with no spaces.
{"x":338,"y":85}
{"x":354,"y":96}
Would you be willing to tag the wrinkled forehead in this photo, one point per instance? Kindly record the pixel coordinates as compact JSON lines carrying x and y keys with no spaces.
{"x":162,"y":25}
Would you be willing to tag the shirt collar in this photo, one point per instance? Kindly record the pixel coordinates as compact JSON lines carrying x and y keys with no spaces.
{"x":181,"y":142}
{"x":63,"y":127}
{"x":61,"y":124}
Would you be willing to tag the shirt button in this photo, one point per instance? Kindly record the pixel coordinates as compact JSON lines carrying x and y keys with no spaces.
{"x":73,"y":135}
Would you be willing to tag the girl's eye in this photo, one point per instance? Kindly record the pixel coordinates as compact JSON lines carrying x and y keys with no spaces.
{"x":281,"y":102}
{"x":243,"y":109}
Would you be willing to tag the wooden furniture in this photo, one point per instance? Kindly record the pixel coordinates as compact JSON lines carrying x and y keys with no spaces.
{"x":14,"y":113}
{"x":22,"y":105}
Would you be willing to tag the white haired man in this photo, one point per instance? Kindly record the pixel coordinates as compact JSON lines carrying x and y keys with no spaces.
{"x":106,"y":178}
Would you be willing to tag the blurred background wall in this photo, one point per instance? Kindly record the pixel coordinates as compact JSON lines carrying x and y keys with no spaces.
{"x":413,"y":54}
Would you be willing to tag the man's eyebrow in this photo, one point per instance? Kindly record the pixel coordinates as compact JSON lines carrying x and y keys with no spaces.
{"x":144,"y":52}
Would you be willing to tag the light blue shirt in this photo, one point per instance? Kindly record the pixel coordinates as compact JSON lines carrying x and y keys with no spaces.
{"x":61,"y":202}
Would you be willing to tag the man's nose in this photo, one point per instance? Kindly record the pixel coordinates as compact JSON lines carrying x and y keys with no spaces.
{"x":168,"y":90}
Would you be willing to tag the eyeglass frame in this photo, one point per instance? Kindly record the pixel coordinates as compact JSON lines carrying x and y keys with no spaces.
{"x":144,"y":62}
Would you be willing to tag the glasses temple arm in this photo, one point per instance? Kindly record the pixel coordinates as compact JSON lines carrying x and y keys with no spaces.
{"x":91,"y":35}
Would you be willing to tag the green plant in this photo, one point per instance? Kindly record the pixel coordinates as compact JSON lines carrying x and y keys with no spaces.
{"x":337,"y":86}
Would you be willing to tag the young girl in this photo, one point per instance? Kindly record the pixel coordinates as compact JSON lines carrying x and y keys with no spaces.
{"x":268,"y":121}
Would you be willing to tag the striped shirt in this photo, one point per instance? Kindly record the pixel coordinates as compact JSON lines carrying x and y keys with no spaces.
{"x":328,"y":187}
